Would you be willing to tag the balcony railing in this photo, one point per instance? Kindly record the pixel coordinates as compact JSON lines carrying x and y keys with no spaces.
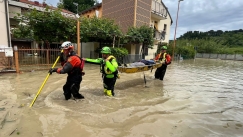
{"x":159,"y":9}
{"x":159,"y":35}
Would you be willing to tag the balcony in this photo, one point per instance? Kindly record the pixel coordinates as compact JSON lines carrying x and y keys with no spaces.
{"x":159,"y":11}
{"x":159,"y":36}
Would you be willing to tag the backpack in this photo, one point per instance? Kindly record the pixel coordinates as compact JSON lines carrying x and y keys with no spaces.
{"x":168,"y":59}
{"x":82,"y":63}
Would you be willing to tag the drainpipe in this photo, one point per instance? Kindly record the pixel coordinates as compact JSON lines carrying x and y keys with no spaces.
{"x":7,"y":23}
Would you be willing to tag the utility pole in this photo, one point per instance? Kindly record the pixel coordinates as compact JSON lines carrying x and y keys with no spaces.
{"x":78,"y":31}
{"x":173,"y":53}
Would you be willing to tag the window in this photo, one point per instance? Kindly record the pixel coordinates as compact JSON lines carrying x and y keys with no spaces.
{"x":165,"y":27}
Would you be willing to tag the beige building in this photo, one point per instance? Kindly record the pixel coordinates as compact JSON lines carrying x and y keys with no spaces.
{"x":135,"y":13}
{"x":4,"y":27}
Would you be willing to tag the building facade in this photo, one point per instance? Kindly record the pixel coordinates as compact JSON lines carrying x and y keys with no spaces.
{"x":8,"y":10}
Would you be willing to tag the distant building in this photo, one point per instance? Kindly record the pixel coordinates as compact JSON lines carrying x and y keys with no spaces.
{"x":96,"y":10}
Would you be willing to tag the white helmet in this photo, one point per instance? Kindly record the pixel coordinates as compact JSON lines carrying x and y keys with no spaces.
{"x":66,"y":45}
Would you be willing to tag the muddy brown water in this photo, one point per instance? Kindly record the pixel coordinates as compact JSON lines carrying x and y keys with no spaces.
{"x":197,"y":98}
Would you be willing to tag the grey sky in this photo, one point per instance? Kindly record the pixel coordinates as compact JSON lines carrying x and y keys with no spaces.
{"x":205,"y":15}
{"x":201,"y":15}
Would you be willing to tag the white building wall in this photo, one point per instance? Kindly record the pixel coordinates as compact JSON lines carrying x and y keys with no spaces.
{"x":151,"y":52}
{"x":161,"y":27}
{"x":3,"y":26}
{"x":88,"y":49}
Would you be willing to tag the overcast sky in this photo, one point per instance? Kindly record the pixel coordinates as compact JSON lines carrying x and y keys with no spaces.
{"x":201,"y":15}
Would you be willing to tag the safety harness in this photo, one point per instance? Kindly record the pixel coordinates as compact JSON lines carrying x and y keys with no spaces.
{"x":77,"y":70}
{"x":105,"y":71}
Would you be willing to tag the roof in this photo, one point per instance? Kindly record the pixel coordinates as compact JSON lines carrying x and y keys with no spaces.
{"x":167,"y":11}
{"x":36,"y":3}
{"x":91,"y":8}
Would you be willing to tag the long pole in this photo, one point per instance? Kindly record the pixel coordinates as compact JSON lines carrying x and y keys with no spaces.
{"x":44,"y":82}
{"x":78,"y":36}
{"x":173,"y":53}
{"x":78,"y":32}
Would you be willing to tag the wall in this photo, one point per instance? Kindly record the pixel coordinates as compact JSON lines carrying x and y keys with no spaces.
{"x":151,"y":52}
{"x":238,"y":57}
{"x":121,"y":11}
{"x":143,"y":12}
{"x":161,"y":27}
{"x":88,"y":49}
{"x":3,"y":28}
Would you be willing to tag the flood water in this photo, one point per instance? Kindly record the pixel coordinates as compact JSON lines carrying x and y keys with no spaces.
{"x":198,"y":98}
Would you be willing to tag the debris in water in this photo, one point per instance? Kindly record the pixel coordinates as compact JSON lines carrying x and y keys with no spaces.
{"x":4,"y":121}
{"x":12,"y":132}
{"x":2,"y":109}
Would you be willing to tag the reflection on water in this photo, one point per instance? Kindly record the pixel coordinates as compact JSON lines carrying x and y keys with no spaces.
{"x":197,"y":98}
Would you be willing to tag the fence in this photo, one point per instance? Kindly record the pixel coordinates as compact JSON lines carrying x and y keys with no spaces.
{"x":6,"y":59}
{"x":36,"y":59}
{"x":43,"y":59}
{"x":238,"y":57}
{"x":29,"y":60}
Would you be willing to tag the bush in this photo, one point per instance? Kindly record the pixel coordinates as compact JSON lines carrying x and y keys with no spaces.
{"x":119,"y":53}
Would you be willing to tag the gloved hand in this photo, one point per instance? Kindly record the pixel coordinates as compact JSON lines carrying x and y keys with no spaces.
{"x":52,"y":70}
{"x":110,"y":57}
{"x":60,"y":54}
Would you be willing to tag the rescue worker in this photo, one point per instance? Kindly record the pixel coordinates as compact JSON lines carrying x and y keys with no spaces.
{"x":165,"y":59}
{"x":108,"y":68}
{"x":73,"y":66}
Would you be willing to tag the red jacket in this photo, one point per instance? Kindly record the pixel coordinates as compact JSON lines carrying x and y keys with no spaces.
{"x":164,"y":56}
{"x":72,"y":63}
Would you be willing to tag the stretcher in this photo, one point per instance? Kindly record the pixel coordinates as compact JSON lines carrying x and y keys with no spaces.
{"x":129,"y":69}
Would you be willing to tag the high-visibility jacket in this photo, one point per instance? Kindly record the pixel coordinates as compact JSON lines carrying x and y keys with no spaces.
{"x":108,"y":68}
{"x":164,"y":58}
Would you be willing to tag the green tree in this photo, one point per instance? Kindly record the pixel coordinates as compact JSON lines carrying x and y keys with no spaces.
{"x":99,"y":30}
{"x":23,"y":31}
{"x":140,"y":35}
{"x":224,"y":42}
{"x":49,"y":25}
{"x":53,"y":26}
{"x":119,"y":53}
{"x":137,"y":35}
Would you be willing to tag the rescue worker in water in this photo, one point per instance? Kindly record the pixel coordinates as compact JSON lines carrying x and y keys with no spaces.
{"x":73,"y":66}
{"x":165,"y":59}
{"x":108,"y":68}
